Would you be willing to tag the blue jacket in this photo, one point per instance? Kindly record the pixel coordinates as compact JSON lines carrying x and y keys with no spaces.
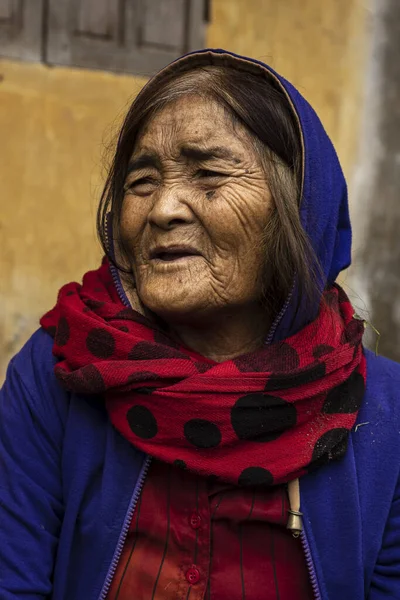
{"x":69,"y":482}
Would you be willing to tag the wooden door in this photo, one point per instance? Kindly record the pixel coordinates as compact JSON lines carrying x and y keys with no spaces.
{"x":136,"y":36}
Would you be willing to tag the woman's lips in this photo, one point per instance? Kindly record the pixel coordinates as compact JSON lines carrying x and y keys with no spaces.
{"x":174,"y":254}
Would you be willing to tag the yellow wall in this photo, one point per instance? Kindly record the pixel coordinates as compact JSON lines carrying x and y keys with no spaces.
{"x":55,"y":122}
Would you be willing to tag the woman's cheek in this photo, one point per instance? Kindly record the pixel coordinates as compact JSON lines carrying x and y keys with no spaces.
{"x":242,"y":210}
{"x":131,"y":228}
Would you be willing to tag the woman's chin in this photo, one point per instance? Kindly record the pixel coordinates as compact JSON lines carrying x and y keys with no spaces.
{"x":171,"y":306}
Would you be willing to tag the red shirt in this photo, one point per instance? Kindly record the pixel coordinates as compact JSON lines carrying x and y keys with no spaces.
{"x":193,"y":540}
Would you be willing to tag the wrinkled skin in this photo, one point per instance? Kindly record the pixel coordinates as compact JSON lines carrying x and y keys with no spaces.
{"x":216,"y":208}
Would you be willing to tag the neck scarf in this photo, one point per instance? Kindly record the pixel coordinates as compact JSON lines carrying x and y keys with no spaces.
{"x":263,"y":418}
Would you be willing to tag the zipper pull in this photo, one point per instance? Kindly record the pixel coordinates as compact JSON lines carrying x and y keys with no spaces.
{"x":295,"y":520}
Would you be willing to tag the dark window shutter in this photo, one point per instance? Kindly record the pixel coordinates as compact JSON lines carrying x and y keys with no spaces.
{"x":135,"y":36}
{"x":21,"y":29}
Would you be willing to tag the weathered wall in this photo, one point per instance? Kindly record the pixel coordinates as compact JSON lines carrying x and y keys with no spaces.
{"x":375,"y":274}
{"x":53,"y":123}
{"x":320,"y":46}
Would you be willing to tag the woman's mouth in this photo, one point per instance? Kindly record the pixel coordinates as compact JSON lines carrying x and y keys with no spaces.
{"x":173,"y":254}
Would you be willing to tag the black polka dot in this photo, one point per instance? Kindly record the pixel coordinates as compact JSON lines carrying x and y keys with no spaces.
{"x":202,"y":433}
{"x":142,"y":422}
{"x":353,"y":333}
{"x":62,"y":334}
{"x":61,"y":375}
{"x":100,"y":343}
{"x":70,"y":293}
{"x":128,"y":314}
{"x":93,"y":304}
{"x":255,"y":476}
{"x":262,"y":418}
{"x":347,"y":397}
{"x":149,"y":351}
{"x":146,"y":391}
{"x":322,"y":350}
{"x":124,"y":329}
{"x":278,"y":357}
{"x":212,"y":479}
{"x":330,"y":446}
{"x":87,"y":380}
{"x":180,"y":463}
{"x":252,"y":363}
{"x":162,"y":338}
{"x":291,"y":380}
{"x":342,"y":296}
{"x":282,"y":357}
{"x":203,"y":367}
{"x":125,"y":313}
{"x":142,"y":376}
{"x":331,"y":299}
{"x":51,"y":330}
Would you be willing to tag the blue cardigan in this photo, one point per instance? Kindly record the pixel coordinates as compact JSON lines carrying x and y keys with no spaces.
{"x":69,"y":481}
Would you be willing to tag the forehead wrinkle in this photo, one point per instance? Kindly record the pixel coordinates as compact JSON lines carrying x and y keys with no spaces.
{"x":186,"y":132}
{"x":160,"y":138}
{"x":185,"y":117}
{"x":200,"y":152}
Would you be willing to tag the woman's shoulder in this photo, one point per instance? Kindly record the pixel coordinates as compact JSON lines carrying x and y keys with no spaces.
{"x":378,"y":423}
{"x":30,"y":378}
{"x":383,"y":383}
{"x":381,"y":366}
{"x":35,"y":353}
{"x":34,"y":363}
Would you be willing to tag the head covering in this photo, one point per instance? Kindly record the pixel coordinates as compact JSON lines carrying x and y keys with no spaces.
{"x":324,"y":210}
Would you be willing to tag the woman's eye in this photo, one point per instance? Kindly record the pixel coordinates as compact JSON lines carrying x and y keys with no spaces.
{"x":143,"y":185}
{"x":205,"y":173}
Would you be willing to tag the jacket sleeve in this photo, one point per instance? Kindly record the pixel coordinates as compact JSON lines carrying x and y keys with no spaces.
{"x":31,"y":508}
{"x":386,"y":577}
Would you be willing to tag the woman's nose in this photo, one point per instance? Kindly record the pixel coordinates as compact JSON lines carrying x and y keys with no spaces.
{"x":171,"y":207}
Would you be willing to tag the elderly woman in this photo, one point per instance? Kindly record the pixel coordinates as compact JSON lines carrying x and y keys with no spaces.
{"x":199,"y":419}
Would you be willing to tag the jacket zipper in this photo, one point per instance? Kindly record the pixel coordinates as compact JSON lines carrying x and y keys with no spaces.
{"x":304,"y":542}
{"x":310,"y":566}
{"x":140,"y":482}
{"x":146,"y":466}
{"x":125,"y":528}
{"x":295,"y":524}
{"x":118,"y":285}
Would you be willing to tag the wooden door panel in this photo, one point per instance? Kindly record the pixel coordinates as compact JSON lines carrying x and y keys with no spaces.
{"x":21,"y":29}
{"x":136,"y":36}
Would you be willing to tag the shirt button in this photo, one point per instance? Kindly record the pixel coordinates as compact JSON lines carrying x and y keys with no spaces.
{"x":193,"y":575}
{"x":195,"y":521}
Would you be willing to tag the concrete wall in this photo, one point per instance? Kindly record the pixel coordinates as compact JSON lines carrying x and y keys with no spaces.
{"x":375,"y":275}
{"x":55,"y":123}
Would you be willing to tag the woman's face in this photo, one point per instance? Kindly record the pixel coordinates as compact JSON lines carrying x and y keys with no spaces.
{"x":195,"y":207}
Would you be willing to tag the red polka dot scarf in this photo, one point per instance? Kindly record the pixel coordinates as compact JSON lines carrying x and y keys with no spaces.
{"x":263,"y":418}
